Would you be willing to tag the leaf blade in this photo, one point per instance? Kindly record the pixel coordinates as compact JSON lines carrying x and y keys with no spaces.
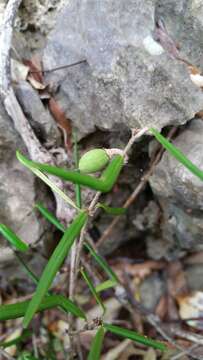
{"x":13,"y":238}
{"x":103,"y":184}
{"x":116,"y":211}
{"x":95,"y":350}
{"x":54,"y":263}
{"x":173,"y":150}
{"x":49,"y":216}
{"x":17,"y":310}
{"x":129,"y":334}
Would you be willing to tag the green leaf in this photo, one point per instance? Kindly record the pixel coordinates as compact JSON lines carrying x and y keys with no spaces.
{"x":103,"y":184}
{"x":26,"y":333}
{"x":13,"y":238}
{"x":104,"y":265}
{"x":173,"y":150}
{"x":26,"y":355}
{"x":129,"y":334}
{"x":30,"y":165}
{"x":54,"y":263}
{"x":50,"y":217}
{"x":78,"y":197}
{"x":13,"y":311}
{"x":117,"y":211}
{"x":105,"y":285}
{"x":96,"y":345}
{"x":92,"y":289}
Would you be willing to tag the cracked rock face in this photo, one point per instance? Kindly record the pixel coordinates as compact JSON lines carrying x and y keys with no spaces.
{"x":128,"y":78}
{"x":17,"y":191}
{"x":180,"y":195}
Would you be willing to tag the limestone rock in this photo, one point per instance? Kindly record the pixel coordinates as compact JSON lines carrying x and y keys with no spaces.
{"x":39,"y":117}
{"x":128,"y":78}
{"x":180,"y":194}
{"x":17,"y":191}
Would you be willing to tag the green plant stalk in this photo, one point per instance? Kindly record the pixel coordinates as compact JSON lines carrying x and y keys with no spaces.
{"x":17,"y":310}
{"x":78,"y":198}
{"x":92,"y":289}
{"x":53,"y":265}
{"x":129,"y":334}
{"x":104,"y":265}
{"x":95,"y":350}
{"x":103,"y":184}
{"x":175,"y":152}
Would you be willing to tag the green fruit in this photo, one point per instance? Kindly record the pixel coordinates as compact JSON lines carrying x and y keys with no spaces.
{"x":93,"y":161}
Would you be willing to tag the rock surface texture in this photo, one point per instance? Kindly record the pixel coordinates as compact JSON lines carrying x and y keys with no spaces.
{"x":180,"y":196}
{"x":135,"y":74}
{"x":17,"y":191}
{"x":128,"y":78}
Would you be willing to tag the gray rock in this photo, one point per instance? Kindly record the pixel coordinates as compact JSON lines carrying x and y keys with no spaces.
{"x":128,"y":77}
{"x":151,"y":290}
{"x":180,"y":195}
{"x":17,"y":191}
{"x":184,"y":20}
{"x":194,"y":277}
{"x":39,"y":117}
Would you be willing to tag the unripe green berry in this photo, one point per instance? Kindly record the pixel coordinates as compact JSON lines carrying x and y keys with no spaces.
{"x":93,"y":161}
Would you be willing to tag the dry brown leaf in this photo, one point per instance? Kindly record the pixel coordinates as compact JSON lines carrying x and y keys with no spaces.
{"x":177,"y":284}
{"x":195,"y":75}
{"x":161,"y":308}
{"x":196,"y":258}
{"x":139,"y":270}
{"x":35,"y":68}
{"x":35,"y":84}
{"x":191,"y":306}
{"x":62,"y":121}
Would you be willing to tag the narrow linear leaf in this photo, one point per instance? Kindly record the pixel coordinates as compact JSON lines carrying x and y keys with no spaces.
{"x":103,"y":184}
{"x":104,"y":265}
{"x":47,"y":181}
{"x":17,"y":310}
{"x":129,"y":334}
{"x":112,"y":210}
{"x":92,"y":288}
{"x":26,"y":333}
{"x":50,"y":217}
{"x":173,"y":150}
{"x":53,"y":265}
{"x":95,"y":350}
{"x":13,"y":238}
{"x":105,"y":285}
